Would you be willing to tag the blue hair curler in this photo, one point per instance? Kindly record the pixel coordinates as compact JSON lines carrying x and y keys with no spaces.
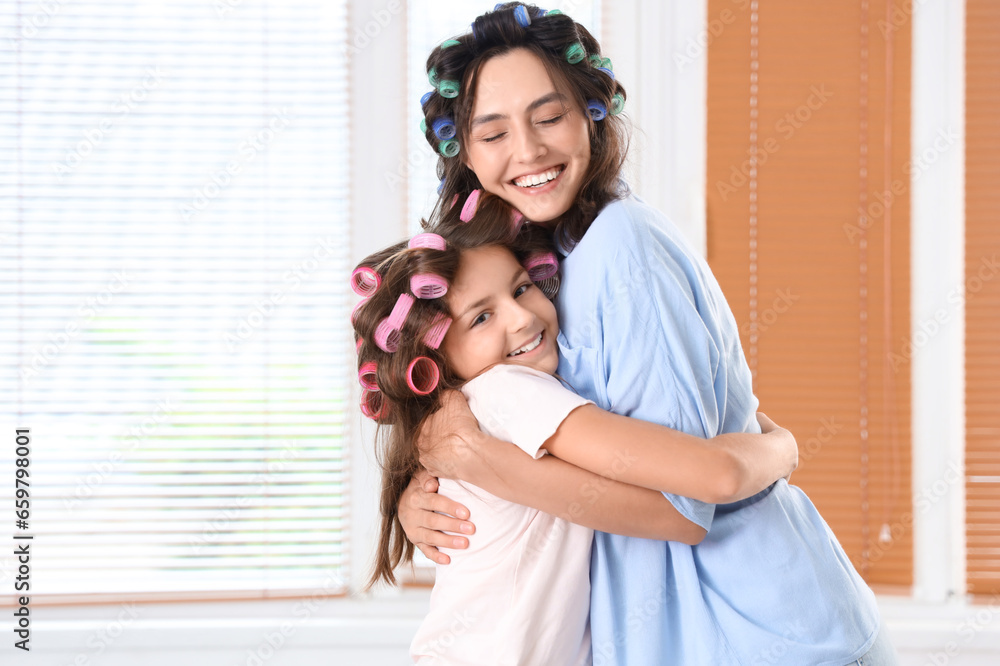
{"x":606,"y":71}
{"x":444,"y":128}
{"x":426,"y":97}
{"x":522,"y":16}
{"x":441,"y":186}
{"x":596,"y":110}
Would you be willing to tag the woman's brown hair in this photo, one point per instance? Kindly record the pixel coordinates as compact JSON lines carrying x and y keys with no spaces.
{"x":391,"y":402}
{"x":550,"y":36}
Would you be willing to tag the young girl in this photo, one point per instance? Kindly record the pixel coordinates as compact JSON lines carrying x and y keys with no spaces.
{"x":526,"y":107}
{"x":462,"y":310}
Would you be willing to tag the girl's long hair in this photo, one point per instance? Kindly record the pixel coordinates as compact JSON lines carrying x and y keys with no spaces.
{"x":549,"y":36}
{"x":397,"y":409}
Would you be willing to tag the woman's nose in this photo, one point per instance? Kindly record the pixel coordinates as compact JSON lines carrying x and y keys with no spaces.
{"x":528,"y":146}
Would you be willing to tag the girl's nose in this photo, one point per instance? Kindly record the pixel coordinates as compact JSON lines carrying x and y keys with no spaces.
{"x":520,"y":317}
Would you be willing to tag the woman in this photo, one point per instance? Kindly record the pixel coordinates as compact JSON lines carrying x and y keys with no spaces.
{"x":646,"y":332}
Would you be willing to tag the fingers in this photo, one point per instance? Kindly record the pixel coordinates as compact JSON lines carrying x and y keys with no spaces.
{"x":425,"y":480}
{"x":433,"y":554}
{"x":439,"y":539}
{"x":766,"y":424}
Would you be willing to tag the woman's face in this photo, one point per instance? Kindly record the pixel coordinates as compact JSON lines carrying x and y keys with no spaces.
{"x":498,"y":316}
{"x":528,"y":143}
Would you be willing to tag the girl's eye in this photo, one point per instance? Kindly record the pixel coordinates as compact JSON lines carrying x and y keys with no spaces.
{"x":523,"y":288}
{"x":481,"y":319}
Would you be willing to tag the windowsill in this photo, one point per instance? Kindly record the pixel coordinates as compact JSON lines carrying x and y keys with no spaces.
{"x":392,"y":619}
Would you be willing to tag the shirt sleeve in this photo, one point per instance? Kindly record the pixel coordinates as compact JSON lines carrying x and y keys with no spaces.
{"x":518,"y":404}
{"x":659,"y":354}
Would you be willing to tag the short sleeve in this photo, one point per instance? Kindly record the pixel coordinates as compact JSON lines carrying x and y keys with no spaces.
{"x":521,"y":405}
{"x":638,"y":299}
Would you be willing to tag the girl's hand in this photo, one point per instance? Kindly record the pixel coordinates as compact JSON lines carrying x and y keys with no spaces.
{"x":447,"y":438}
{"x":786,"y":440}
{"x":426,"y":516}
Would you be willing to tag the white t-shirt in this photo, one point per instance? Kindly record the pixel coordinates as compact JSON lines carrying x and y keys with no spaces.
{"x":520,"y":594}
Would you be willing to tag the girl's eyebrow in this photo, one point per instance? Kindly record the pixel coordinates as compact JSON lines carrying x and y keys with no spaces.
{"x":541,"y":101}
{"x":486,"y":299}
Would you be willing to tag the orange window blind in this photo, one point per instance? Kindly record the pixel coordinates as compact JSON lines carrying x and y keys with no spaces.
{"x":808,"y":176}
{"x":982,"y":296}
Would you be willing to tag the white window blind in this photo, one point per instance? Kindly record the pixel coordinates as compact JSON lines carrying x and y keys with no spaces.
{"x":174,"y":305}
{"x":430,"y":22}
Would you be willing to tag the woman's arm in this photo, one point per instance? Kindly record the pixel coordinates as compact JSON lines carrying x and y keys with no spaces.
{"x":724,"y":469}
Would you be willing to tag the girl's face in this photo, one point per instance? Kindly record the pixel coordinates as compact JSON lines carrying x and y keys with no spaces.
{"x":528,"y":144}
{"x":499,"y":316}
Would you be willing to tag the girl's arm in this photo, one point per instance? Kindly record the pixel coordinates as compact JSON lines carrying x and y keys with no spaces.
{"x":550,"y":485}
{"x":724,"y":469}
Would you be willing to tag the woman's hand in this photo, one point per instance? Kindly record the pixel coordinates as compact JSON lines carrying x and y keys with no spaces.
{"x":785,"y":440}
{"x":448,"y":437}
{"x":426,"y":516}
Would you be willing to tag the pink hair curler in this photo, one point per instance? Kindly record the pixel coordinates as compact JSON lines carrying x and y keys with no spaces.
{"x":365,"y":280}
{"x":366,"y":376}
{"x":439,"y":327}
{"x":516,"y":218}
{"x":373,"y":404}
{"x":357,"y":347}
{"x":388,"y":331}
{"x":454,"y":200}
{"x":469,"y":209}
{"x":429,"y":241}
{"x":428,"y":285}
{"x":357,"y":308}
{"x":541,"y":266}
{"x":422,"y":375}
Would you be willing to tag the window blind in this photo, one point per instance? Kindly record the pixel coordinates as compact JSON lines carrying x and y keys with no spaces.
{"x":172,"y":317}
{"x":808,"y":177}
{"x":981,"y":295}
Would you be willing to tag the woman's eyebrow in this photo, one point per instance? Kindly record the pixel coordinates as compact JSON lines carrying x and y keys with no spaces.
{"x":541,"y":101}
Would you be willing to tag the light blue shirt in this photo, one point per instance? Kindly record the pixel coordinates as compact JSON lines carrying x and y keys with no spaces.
{"x":646,"y":332}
